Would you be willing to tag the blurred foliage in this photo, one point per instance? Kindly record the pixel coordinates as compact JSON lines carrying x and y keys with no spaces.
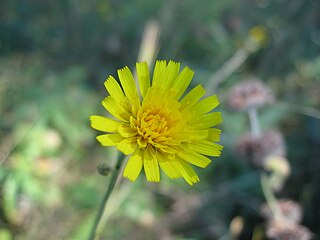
{"x":54,"y":57}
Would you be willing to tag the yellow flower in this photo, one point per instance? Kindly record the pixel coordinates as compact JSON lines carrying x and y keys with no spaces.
{"x":258,"y":34}
{"x":160,"y":126}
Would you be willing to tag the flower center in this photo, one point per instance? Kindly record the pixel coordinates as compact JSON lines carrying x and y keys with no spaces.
{"x":156,"y":125}
{"x":152,"y":127}
{"x":158,"y":122}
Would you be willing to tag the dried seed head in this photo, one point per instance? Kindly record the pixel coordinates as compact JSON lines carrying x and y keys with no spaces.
{"x":249,"y":94}
{"x":291,"y":211}
{"x":255,"y":149}
{"x":286,"y":225}
{"x":278,"y":231}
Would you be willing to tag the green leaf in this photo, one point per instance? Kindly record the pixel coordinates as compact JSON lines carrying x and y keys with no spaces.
{"x":10,"y":195}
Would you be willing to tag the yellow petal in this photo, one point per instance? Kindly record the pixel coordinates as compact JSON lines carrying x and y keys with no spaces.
{"x":206,"y":147}
{"x":194,"y":134}
{"x":192,"y":97}
{"x":214,"y":134}
{"x":114,"y":89}
{"x":193,"y":157}
{"x":134,"y":165}
{"x":182,"y":81}
{"x":143,"y":77}
{"x":169,"y":165}
{"x":107,"y":140}
{"x":128,"y":84}
{"x":142,"y":142}
{"x":151,"y":166}
{"x":128,"y":145}
{"x":104,"y":124}
{"x":205,"y":105}
{"x":206,"y":121}
{"x":116,"y":92}
{"x":115,"y":109}
{"x":159,"y":72}
{"x":187,"y":172}
{"x":170,"y":75}
{"x":127,"y":131}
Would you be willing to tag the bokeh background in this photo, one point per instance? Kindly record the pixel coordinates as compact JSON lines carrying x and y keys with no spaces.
{"x":54,"y":58}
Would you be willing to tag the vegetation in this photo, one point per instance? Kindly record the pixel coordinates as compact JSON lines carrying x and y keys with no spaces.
{"x":54,"y":58}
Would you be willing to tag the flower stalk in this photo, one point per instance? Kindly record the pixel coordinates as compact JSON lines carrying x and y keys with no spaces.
{"x":95,"y":233}
{"x":270,"y":198}
{"x":265,"y":184}
{"x":254,"y":122}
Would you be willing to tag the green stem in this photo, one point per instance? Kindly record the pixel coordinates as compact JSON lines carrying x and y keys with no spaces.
{"x":112,"y":183}
{"x":270,"y":198}
{"x":254,"y":122}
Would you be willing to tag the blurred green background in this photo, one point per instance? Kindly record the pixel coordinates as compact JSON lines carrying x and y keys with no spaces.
{"x":54,"y":58}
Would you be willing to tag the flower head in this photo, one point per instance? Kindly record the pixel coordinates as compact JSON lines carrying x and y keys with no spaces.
{"x":291,"y":211}
{"x":258,"y":34}
{"x":278,"y":231}
{"x":251,"y":93}
{"x":256,"y":149}
{"x":159,"y":125}
{"x":286,"y":225}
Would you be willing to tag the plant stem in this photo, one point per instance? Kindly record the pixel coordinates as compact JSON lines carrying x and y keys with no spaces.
{"x":254,"y":122}
{"x":270,"y":198}
{"x":229,"y":67}
{"x":112,"y":183}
